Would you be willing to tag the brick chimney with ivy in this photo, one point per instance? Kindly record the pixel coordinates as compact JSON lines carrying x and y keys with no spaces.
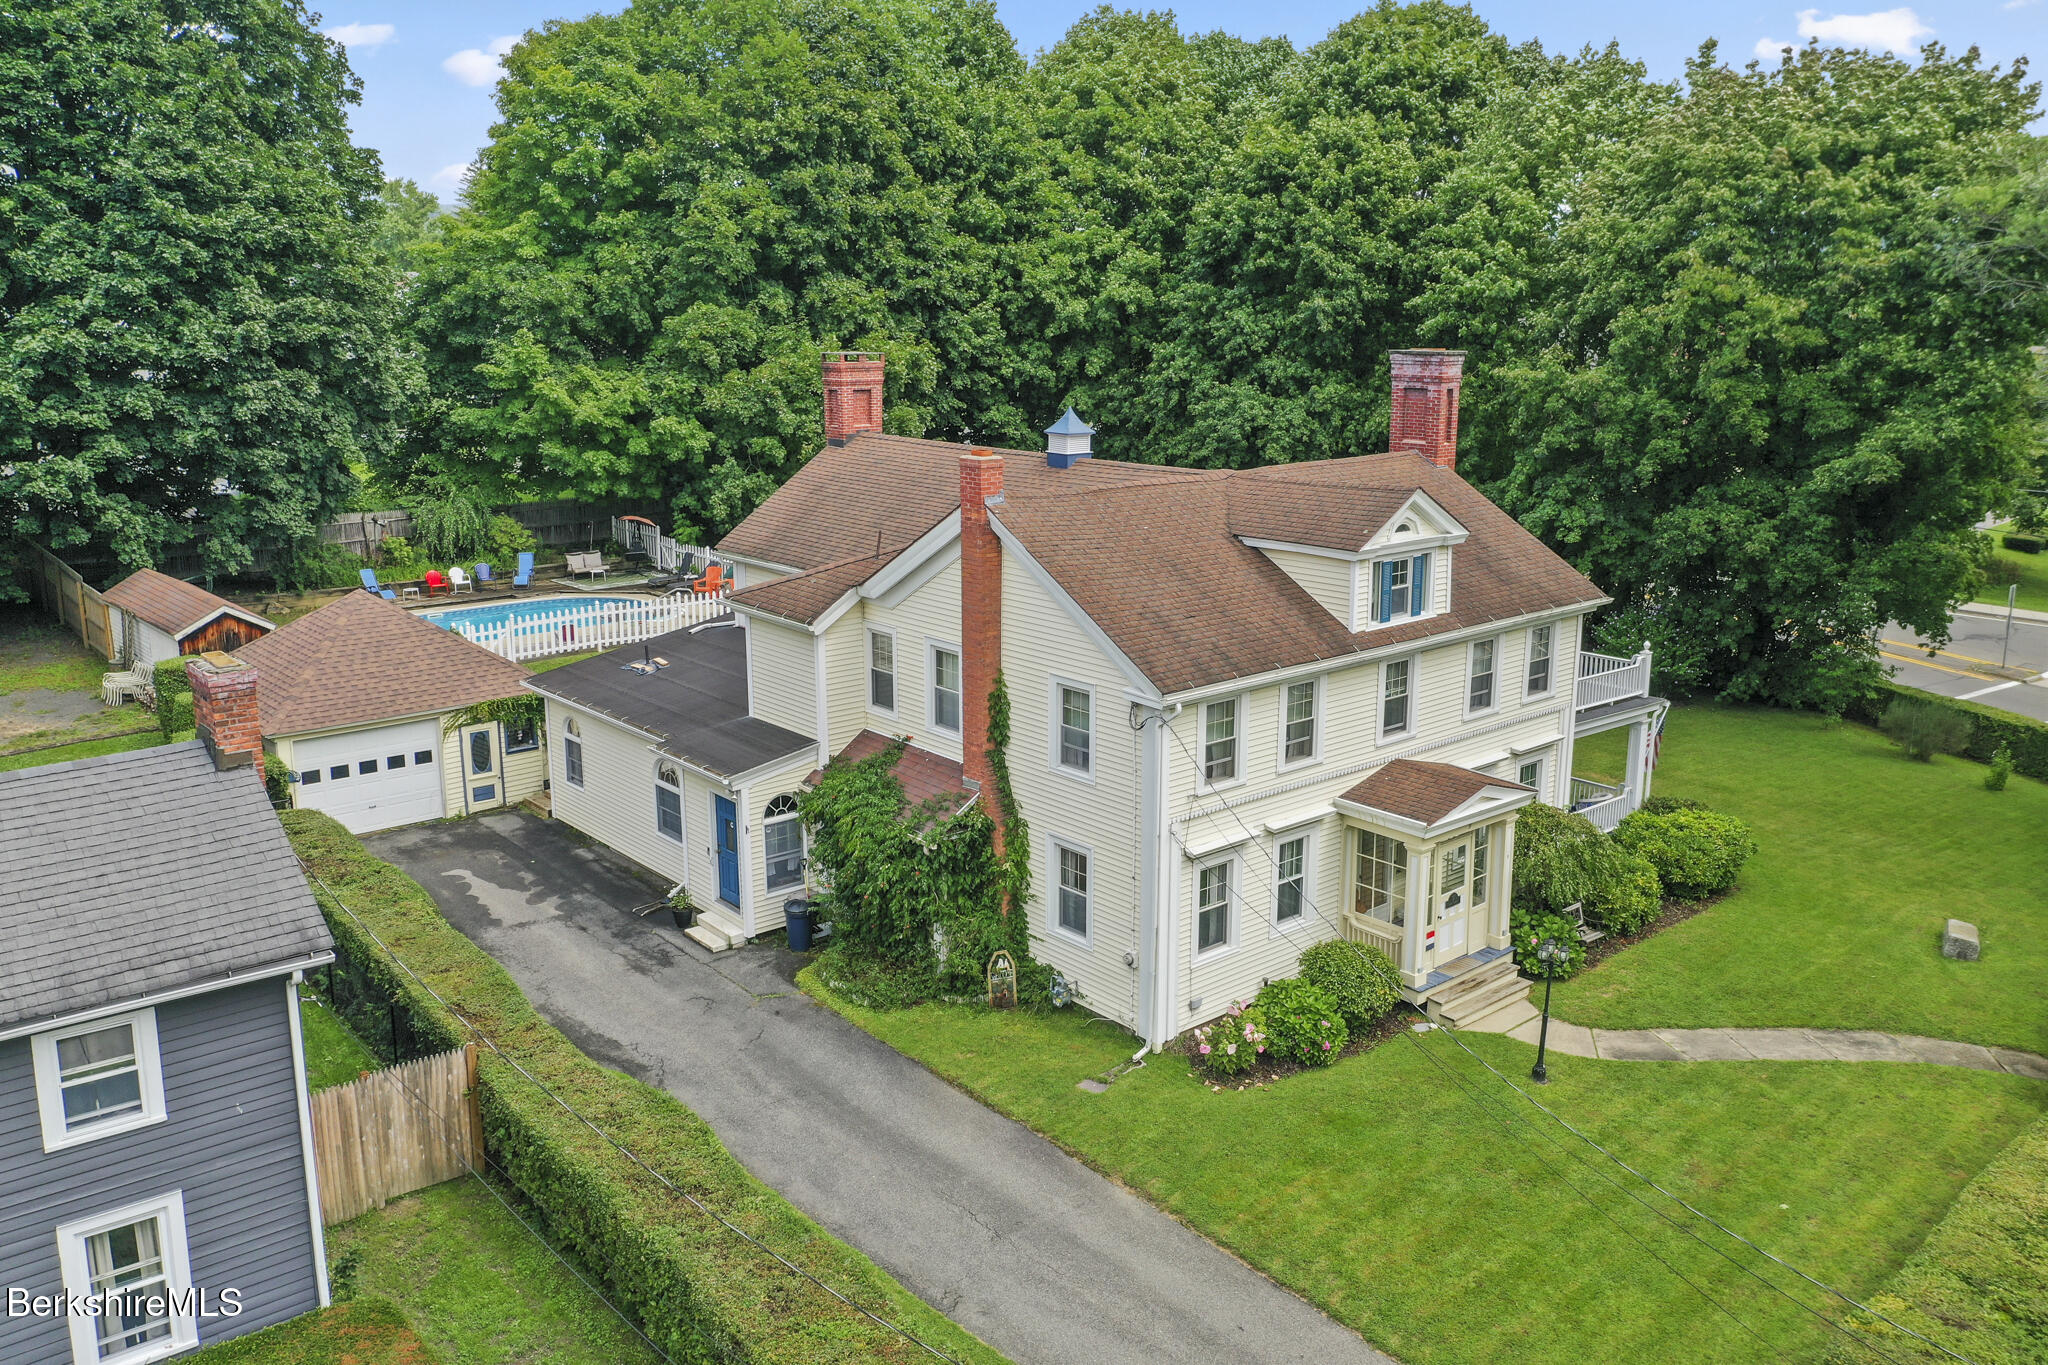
{"x":981,"y":619}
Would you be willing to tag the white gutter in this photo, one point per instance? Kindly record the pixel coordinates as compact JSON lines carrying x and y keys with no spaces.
{"x":211,"y":984}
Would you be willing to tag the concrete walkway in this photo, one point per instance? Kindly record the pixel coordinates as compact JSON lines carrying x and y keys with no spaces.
{"x":1776,"y":1045}
{"x":981,"y":1218}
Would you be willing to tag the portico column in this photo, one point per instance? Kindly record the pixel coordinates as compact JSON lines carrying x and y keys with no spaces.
{"x":1503,"y":891}
{"x":1638,"y":764}
{"x":1414,"y":964}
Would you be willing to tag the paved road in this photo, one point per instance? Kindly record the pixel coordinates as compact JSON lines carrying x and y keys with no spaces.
{"x":997,"y":1228}
{"x":1968,"y":665}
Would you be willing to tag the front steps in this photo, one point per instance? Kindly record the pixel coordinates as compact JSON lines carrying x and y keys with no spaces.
{"x":1479,"y":994}
{"x":717,"y":930}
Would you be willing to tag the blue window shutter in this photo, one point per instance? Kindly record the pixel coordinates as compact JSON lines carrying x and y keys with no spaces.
{"x":1418,"y":590}
{"x":1383,"y":571}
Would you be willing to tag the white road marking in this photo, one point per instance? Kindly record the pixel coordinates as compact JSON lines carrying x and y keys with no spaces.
{"x":1987,"y":691}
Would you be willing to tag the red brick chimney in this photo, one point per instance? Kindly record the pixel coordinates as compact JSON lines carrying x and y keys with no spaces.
{"x":853,"y":394}
{"x":1426,"y":384}
{"x":981,"y":619}
{"x":224,"y":709}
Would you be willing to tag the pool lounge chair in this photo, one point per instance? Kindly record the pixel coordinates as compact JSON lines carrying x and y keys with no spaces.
{"x":458,"y":581}
{"x":370,"y":584}
{"x":524,"y":578}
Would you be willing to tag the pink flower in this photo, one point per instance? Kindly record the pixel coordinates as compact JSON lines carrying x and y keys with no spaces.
{"x":1326,"y":1044}
{"x":1205,"y":1049}
{"x":1247,"y":1030}
{"x":1231,"y":1050}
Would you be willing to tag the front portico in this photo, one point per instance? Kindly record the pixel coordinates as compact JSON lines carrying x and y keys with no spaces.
{"x":1430,"y":850}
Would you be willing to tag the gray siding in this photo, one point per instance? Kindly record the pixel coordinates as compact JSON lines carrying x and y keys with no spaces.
{"x":230,"y":1142}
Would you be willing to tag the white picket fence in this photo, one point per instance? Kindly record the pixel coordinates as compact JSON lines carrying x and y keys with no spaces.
{"x":665,"y":551}
{"x":574,"y":626}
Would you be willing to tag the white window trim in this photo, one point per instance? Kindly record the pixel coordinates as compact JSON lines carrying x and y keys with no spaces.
{"x":1529,"y":652}
{"x":1366,"y":584}
{"x":1052,"y":754}
{"x":50,"y":1093}
{"x":932,"y":646}
{"x":1202,"y":782}
{"x":803,"y":843}
{"x":1472,"y":649}
{"x":681,"y":837}
{"x":1233,"y":901}
{"x":1379,"y":698}
{"x":867,"y":670}
{"x":1274,"y":927}
{"x":1282,"y":762}
{"x":1053,"y":924}
{"x":77,"y":1273}
{"x":1542,"y":765}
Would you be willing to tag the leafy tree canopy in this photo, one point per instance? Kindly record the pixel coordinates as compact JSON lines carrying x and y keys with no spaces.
{"x":412,"y":218}
{"x":195,"y":330}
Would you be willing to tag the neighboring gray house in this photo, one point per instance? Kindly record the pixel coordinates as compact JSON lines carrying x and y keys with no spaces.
{"x":154,"y":1134}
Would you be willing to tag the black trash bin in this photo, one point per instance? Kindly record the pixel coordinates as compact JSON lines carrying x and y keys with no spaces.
{"x":797,"y":919}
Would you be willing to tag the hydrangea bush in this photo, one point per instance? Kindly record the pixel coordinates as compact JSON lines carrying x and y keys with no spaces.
{"x":1233,"y":1044}
{"x":1303,"y":1025}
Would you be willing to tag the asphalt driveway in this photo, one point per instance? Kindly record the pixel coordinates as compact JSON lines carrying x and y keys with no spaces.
{"x":997,"y":1228}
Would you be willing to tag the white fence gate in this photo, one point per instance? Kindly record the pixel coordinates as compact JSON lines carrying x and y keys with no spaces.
{"x":666,"y":553}
{"x":574,"y":626}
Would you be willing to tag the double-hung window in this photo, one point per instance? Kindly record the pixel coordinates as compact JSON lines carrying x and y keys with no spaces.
{"x":946,"y":689}
{"x":98,"y":1079}
{"x":1400,"y":588}
{"x":1290,"y":870}
{"x":1396,"y":677}
{"x":1076,"y":723}
{"x":521,"y":736}
{"x":1479,"y":678}
{"x":1074,"y":892}
{"x":1212,"y":907}
{"x":782,"y":842}
{"x":1482,"y":854}
{"x":668,"y":801}
{"x":881,"y":670}
{"x":572,"y":753}
{"x":1219,"y":741}
{"x":1539,"y":675}
{"x":133,"y":1262}
{"x":1298,"y":723}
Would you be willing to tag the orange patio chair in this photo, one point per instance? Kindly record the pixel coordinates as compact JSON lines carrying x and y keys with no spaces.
{"x":712,"y":583}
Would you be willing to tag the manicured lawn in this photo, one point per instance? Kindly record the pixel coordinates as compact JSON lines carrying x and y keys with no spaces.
{"x":334,"y":1054}
{"x":2033,"y":580}
{"x":1383,"y":1191}
{"x":1837,"y":921}
{"x":359,"y":1332}
{"x":476,"y":1287}
{"x":90,"y":748}
{"x":36,"y":652}
{"x":1603,"y":757}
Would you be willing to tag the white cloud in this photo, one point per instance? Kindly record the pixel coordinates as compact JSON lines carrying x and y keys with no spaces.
{"x":2017,"y":4}
{"x":480,"y":66}
{"x":1890,"y":30}
{"x":1770,"y":50}
{"x":361,"y":35}
{"x":450,"y":177}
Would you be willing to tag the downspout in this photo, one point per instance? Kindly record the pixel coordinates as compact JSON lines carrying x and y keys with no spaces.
{"x":1154,"y":878}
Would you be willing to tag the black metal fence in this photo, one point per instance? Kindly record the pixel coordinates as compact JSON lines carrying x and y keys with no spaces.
{"x":385,"y":1026}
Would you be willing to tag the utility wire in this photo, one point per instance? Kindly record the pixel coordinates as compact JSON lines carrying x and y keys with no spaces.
{"x":1253,"y":840}
{"x":615,"y":1144}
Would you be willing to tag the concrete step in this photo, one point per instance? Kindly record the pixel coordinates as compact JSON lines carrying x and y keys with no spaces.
{"x":1474,"y":980}
{"x":708,"y":936}
{"x":1472,"y":1004}
{"x":717,"y":931}
{"x":1503,"y":1018}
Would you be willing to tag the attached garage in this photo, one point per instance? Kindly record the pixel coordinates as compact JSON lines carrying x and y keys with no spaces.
{"x":372,"y":779}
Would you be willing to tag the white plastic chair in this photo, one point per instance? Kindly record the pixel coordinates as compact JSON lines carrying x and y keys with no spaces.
{"x":458,"y":580}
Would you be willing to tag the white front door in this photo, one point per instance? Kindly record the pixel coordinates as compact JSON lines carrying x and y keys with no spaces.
{"x":483,"y":777}
{"x":372,"y":779}
{"x":1453,"y":899}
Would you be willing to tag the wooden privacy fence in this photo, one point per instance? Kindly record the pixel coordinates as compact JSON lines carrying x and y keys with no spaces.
{"x":395,"y":1131}
{"x":60,"y":591}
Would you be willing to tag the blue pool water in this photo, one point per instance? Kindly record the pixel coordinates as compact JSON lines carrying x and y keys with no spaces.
{"x":498,"y":613}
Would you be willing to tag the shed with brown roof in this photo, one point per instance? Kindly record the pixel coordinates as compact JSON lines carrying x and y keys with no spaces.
{"x":163,"y":617}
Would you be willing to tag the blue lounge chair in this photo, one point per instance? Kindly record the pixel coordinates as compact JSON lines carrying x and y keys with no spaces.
{"x":370,"y":584}
{"x":524,"y":578}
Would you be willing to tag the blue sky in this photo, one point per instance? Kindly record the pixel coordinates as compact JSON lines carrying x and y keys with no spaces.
{"x":428,"y":66}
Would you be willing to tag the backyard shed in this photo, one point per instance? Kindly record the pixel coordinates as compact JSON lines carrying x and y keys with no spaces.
{"x":160,"y":617}
{"x":358,"y":700}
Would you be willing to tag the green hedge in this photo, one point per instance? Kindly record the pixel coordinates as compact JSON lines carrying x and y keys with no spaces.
{"x":697,"y":1289}
{"x":2026,"y":545}
{"x":1975,"y":1283}
{"x":173,"y":697}
{"x":1989,"y":728}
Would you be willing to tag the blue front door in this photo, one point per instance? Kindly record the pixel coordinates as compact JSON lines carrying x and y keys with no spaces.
{"x":725,"y":824}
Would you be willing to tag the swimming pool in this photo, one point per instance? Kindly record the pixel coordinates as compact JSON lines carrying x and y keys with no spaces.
{"x":491,"y":615}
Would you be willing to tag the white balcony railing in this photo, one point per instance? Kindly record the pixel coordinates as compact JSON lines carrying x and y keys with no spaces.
{"x":1605,"y":678}
{"x":1605,"y":806}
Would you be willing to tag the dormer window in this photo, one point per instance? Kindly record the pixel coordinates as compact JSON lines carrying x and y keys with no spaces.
{"x":1400,"y":588}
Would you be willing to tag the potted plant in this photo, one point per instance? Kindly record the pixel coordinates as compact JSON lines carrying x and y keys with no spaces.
{"x":682,"y":907}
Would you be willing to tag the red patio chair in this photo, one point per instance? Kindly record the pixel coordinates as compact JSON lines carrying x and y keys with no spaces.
{"x":711,"y":583}
{"x":436,"y":583}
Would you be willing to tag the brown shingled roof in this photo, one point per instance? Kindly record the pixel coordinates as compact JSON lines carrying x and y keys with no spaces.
{"x":806,"y":596}
{"x":171,"y":604}
{"x":924,"y":774}
{"x":1423,"y":792}
{"x":360,"y":660}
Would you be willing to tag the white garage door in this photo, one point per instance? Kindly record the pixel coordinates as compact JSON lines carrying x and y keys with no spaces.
{"x":373,"y":779}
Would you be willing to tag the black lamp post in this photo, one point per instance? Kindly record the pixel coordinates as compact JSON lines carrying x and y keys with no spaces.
{"x":1547,"y":953}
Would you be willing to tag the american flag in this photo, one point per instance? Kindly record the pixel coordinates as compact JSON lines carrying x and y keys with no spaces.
{"x":1657,"y":741}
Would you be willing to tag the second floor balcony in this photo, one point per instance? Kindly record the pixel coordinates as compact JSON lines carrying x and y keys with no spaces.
{"x":1609,"y":678}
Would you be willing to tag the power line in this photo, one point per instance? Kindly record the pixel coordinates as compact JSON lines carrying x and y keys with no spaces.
{"x":616,"y":1145}
{"x":1252,"y":839}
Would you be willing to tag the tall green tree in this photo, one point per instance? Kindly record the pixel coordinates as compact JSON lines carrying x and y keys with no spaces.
{"x":1753,"y":404}
{"x":412,"y":218}
{"x":684,"y":202}
{"x":196,"y":333}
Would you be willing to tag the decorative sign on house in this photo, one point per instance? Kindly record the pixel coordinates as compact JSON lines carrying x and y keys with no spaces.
{"x":1002,"y":981}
